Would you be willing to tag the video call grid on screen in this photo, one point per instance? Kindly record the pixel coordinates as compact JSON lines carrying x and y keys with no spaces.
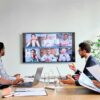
{"x":48,"y":47}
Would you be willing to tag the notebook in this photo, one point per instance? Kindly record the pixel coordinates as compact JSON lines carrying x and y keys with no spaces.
{"x":95,"y":71}
{"x":35,"y":81}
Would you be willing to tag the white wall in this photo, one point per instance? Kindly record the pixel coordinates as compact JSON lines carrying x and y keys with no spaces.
{"x":18,"y":16}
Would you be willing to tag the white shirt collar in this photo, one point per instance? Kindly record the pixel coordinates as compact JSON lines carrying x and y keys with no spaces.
{"x":0,"y":60}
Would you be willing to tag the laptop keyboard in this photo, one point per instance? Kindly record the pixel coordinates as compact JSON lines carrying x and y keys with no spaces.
{"x":26,"y":84}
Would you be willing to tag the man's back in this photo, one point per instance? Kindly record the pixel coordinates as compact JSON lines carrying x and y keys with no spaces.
{"x":90,"y":62}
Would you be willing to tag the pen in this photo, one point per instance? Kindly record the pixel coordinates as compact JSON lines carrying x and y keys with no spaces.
{"x":20,"y":91}
{"x":23,"y":91}
{"x":10,"y":95}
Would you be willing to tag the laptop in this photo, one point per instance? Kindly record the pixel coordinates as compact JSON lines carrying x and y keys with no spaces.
{"x":36,"y":79}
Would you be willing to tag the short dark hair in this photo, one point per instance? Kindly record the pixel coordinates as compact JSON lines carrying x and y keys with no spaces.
{"x":33,"y":50}
{"x":85,"y":46}
{"x":1,"y":45}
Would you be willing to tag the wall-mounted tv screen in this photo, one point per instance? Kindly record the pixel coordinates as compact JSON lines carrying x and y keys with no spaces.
{"x":48,"y":47}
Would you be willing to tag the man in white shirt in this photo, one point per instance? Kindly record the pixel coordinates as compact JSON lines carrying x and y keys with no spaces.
{"x":4,"y":77}
{"x":50,"y":40}
{"x":48,"y":57}
{"x":64,"y":56}
{"x":66,"y":40}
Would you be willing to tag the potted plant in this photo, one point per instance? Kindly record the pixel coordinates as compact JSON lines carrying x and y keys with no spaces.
{"x":95,"y":47}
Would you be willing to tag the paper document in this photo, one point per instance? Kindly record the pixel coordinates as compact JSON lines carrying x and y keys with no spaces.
{"x":30,"y":92}
{"x":86,"y":82}
{"x":95,"y":71}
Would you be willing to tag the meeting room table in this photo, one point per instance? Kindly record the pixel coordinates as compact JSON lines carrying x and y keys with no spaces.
{"x":64,"y":92}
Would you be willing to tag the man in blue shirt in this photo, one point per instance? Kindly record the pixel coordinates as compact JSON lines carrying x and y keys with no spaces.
{"x":4,"y":77}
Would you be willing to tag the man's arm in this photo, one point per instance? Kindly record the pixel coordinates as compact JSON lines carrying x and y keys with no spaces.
{"x":14,"y":82}
{"x":72,"y":67}
{"x":5,"y":75}
{"x":77,"y":71}
{"x":70,"y":81}
{"x":96,"y":83}
{"x":4,"y":81}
